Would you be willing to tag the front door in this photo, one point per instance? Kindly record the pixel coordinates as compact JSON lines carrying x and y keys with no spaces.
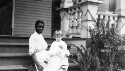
{"x":6,"y":17}
{"x":55,"y":16}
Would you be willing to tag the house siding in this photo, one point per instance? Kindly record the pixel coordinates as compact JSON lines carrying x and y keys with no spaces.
{"x":27,"y":12}
{"x":104,"y":6}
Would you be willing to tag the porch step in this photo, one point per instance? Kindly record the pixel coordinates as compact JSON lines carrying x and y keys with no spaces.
{"x":16,"y":39}
{"x":21,"y":58}
{"x":14,"y":47}
{"x":13,"y":68}
{"x":73,"y":64}
{"x":15,"y":59}
{"x":14,"y":51}
{"x":14,"y":55}
{"x":74,"y":69}
{"x":12,"y":44}
{"x":22,"y":68}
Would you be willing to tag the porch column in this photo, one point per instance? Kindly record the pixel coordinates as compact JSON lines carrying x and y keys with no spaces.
{"x":89,"y":16}
{"x":64,"y":15}
{"x":120,"y":10}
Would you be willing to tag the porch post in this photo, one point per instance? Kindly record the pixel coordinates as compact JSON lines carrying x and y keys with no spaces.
{"x":89,"y":10}
{"x":120,"y":10}
{"x":64,"y":15}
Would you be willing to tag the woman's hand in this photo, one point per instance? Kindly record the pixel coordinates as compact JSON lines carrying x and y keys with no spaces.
{"x":36,"y":50}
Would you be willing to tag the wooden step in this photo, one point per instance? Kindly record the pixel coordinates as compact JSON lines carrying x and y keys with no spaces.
{"x":16,"y":39}
{"x":15,"y":59}
{"x":13,"y":68}
{"x":74,"y":69}
{"x":5,"y":43}
{"x":73,"y":64}
{"x":14,"y":50}
{"x":14,"y":55}
{"x":22,"y":68}
{"x":15,"y":47}
{"x":21,"y":58}
{"x":12,"y":39}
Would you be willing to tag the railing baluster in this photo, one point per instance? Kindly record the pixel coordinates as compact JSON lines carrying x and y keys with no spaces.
{"x":100,"y":23}
{"x":70,"y":22}
{"x":107,"y":19}
{"x":74,"y":21}
{"x":111,"y":21}
{"x":79,"y":21}
{"x":115,"y":21}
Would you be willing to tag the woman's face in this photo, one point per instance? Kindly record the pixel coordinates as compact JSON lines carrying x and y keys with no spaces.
{"x":39,"y":28}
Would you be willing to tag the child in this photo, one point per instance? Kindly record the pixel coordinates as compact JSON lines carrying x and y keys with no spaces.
{"x":59,"y":54}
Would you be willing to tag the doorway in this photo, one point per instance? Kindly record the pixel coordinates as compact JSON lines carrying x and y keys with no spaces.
{"x":56,"y":20}
{"x":6,"y":7}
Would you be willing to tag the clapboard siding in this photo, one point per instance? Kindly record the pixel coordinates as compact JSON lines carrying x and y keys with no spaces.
{"x":112,"y":5}
{"x":44,"y":11}
{"x":24,"y":24}
{"x":29,"y":19}
{"x":24,"y":31}
{"x":103,"y":7}
{"x":33,"y":16}
{"x":19,"y":27}
{"x":32,"y":5}
{"x":27,"y":12}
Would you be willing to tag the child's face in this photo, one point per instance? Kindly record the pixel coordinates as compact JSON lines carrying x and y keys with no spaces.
{"x":58,"y":38}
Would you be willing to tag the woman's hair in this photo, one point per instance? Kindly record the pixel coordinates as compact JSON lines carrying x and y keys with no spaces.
{"x":37,"y":22}
{"x":58,"y":33}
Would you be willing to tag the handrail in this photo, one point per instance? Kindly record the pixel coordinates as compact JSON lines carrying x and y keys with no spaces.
{"x":107,"y":14}
{"x":74,"y":45}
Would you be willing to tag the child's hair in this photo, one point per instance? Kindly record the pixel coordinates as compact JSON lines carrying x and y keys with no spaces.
{"x":58,"y":33}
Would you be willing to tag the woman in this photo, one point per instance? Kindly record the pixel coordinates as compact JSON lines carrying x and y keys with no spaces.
{"x":38,"y":46}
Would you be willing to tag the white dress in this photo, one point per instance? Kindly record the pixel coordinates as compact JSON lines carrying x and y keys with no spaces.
{"x":37,"y":43}
{"x":57,"y":58}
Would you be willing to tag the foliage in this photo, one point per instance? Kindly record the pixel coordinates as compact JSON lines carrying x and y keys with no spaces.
{"x":106,"y":40}
{"x":86,"y":60}
{"x":106,"y":48}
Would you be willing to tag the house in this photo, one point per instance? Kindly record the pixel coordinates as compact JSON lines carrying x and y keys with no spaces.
{"x":17,"y":19}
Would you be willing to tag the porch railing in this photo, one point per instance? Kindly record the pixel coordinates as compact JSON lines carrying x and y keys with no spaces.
{"x":108,"y":20}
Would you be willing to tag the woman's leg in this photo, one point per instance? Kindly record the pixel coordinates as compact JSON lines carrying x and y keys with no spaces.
{"x":39,"y":61}
{"x":36,"y":62}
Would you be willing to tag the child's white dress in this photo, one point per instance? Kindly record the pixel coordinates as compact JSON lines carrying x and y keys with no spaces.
{"x":57,"y":59}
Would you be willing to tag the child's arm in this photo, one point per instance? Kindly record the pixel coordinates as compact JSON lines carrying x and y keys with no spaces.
{"x":67,"y":53}
{"x":64,"y":49}
{"x":54,"y":49}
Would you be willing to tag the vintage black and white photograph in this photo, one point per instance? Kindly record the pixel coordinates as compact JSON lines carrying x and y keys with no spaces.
{"x":62,"y":35}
